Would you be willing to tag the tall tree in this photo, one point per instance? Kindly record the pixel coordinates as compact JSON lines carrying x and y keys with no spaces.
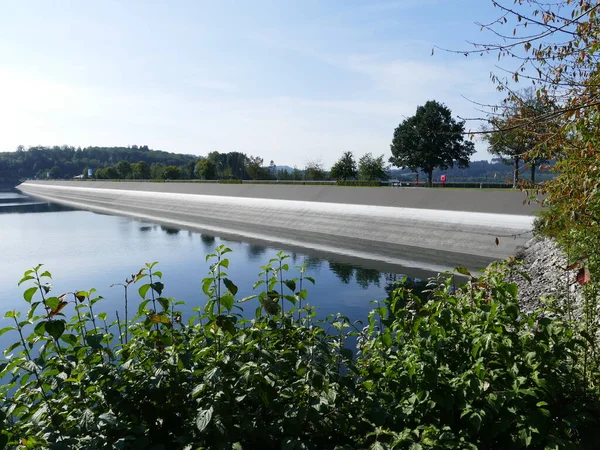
{"x":314,"y":170}
{"x":344,"y":168}
{"x":124,"y":169}
{"x":371,"y":168}
{"x":206,"y":169}
{"x":157,"y":171}
{"x":141,"y":170}
{"x":429,"y":139}
{"x":255,"y":169}
{"x":513,"y":134}
{"x":171,"y":173}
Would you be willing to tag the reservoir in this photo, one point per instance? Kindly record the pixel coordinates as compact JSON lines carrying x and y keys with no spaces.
{"x":85,"y":250}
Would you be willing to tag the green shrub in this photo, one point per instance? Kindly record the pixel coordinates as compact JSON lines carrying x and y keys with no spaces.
{"x":231,"y":181}
{"x":462,"y":370}
{"x":360,"y":183}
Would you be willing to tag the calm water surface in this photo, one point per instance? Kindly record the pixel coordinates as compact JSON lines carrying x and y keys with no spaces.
{"x":83,"y":250}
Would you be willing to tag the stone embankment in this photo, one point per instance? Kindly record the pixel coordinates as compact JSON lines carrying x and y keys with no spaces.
{"x":546,"y":264}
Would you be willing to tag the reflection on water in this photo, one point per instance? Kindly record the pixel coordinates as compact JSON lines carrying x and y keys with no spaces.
{"x":86,"y":250}
{"x":169,"y":230}
{"x":364,"y":277}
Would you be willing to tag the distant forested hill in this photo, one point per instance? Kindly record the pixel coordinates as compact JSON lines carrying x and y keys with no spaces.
{"x":67,"y":162}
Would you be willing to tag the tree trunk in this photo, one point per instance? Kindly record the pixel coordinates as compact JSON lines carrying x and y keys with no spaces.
{"x":516,"y":172}
{"x":532,"y":173}
{"x":430,"y":178}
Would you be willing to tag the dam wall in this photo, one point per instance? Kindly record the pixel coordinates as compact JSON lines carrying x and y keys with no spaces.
{"x":433,"y":229}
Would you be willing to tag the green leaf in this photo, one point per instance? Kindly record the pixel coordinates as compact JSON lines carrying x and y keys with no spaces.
{"x":291,"y":284}
{"x":9,"y":314}
{"x":386,"y":338}
{"x":31,"y":311}
{"x":303,"y":294}
{"x":40,"y":328}
{"x":87,"y":419}
{"x":512,"y":310}
{"x":198,"y":390}
{"x":142,"y":307}
{"x":46,"y":274}
{"x":70,"y":339}
{"x":227,"y":301}
{"x":102,"y":316}
{"x":229,"y":284}
{"x":311,"y":279}
{"x":475,"y":421}
{"x":203,"y":418}
{"x":206,"y":286}
{"x":463,"y":271}
{"x":109,"y":418}
{"x":224,"y":263}
{"x":246,"y":299}
{"x":160,"y":318}
{"x":291,"y":299}
{"x":347,"y":353}
{"x":55,"y":328}
{"x":158,"y":287}
{"x":52,"y":302}
{"x":143,"y":290}
{"x":24,"y":279}
{"x":94,"y":340}
{"x":164,"y":302}
{"x":29,"y":293}
{"x":6,"y":329}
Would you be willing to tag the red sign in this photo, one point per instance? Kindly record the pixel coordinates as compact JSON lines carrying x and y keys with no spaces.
{"x":443,"y":178}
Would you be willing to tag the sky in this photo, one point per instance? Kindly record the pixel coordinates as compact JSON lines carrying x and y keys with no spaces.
{"x":290,"y":81}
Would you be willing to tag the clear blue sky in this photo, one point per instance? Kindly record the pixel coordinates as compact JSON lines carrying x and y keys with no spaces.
{"x":286,"y":80}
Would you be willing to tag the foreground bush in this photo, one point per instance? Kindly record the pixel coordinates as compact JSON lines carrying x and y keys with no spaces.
{"x":464,"y":369}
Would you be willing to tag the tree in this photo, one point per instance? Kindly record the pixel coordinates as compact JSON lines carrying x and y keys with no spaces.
{"x":171,"y":173}
{"x":206,"y":169}
{"x":157,"y":171}
{"x":187,"y":170}
{"x":124,"y":169}
{"x":371,"y":168}
{"x":272,"y":170}
{"x":344,"y":168}
{"x":54,"y":172}
{"x":429,"y":139}
{"x":255,"y":169}
{"x":141,"y":170}
{"x":513,"y":136}
{"x":314,"y":170}
{"x":296,"y":174}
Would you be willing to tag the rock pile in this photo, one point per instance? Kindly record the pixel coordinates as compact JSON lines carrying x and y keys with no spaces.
{"x":546,"y":264}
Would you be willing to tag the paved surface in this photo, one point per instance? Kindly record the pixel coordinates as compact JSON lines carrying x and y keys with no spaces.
{"x":431,"y":229}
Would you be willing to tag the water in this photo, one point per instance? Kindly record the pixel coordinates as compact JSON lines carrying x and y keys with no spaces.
{"x":86,"y":250}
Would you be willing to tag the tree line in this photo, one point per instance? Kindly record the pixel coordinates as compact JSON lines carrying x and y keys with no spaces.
{"x":428,"y":141}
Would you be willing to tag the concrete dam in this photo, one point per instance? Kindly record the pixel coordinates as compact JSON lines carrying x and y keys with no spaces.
{"x":430,"y":229}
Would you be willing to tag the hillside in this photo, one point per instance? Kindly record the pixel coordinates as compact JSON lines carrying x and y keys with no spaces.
{"x":67,"y":162}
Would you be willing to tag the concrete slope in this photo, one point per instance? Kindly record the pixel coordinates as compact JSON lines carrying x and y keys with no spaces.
{"x":431,"y":229}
